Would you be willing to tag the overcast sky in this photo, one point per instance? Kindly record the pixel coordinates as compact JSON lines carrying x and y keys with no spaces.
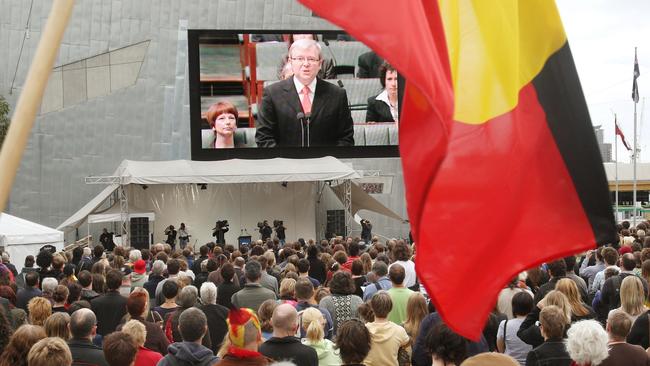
{"x":602,"y":35}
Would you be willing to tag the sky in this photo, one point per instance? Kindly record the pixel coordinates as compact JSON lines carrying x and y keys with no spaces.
{"x":602,"y":35}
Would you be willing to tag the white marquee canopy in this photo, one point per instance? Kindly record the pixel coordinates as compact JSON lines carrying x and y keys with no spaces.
{"x":21,"y":238}
{"x":241,"y":190}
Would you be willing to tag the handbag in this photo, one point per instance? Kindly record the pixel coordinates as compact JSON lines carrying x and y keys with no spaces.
{"x":403,"y":357}
{"x":156,"y":318}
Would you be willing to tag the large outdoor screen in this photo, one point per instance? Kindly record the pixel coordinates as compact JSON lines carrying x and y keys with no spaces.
{"x":264,"y":94}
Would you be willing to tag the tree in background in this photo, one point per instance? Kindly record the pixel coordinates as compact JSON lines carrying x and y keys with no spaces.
{"x":4,"y":118}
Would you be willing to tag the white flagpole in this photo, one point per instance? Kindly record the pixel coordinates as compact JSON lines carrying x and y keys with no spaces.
{"x":634,"y":155}
{"x":616,"y":165}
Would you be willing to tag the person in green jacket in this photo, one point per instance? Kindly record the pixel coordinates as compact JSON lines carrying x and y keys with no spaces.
{"x":313,"y":322}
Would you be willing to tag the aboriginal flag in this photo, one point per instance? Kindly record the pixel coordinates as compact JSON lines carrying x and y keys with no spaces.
{"x":500,"y":161}
{"x":618,"y":132}
{"x":635,"y":86}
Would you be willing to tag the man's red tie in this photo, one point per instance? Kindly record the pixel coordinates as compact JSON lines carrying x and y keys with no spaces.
{"x":306,"y":102}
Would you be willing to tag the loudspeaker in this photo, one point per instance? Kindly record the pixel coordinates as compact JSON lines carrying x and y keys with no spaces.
{"x":335,"y":223}
{"x":140,"y":232}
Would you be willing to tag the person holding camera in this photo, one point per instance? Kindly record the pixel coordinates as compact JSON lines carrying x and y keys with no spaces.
{"x":219,"y":231}
{"x":280,"y":231}
{"x":171,"y":236}
{"x":106,"y":239}
{"x":366,"y":230}
{"x":265,"y":230}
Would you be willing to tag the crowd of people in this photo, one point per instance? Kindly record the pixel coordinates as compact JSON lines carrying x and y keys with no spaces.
{"x":343,"y":301}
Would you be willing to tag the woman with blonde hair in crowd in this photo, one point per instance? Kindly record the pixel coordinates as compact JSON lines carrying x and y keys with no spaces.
{"x":288,"y":291}
{"x":632,"y":298}
{"x":313,"y":323}
{"x":529,"y":332}
{"x":52,"y":351}
{"x":579,"y":310}
{"x":416,"y":310}
{"x":39,"y":310}
{"x":137,"y":331}
{"x":15,"y":354}
{"x":57,"y":325}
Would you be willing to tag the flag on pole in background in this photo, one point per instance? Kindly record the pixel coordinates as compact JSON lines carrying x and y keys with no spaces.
{"x":495,"y":140}
{"x":637,"y":73}
{"x":620,"y":133}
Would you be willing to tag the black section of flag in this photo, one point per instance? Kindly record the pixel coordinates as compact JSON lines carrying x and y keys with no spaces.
{"x":635,"y":86}
{"x":569,"y":122}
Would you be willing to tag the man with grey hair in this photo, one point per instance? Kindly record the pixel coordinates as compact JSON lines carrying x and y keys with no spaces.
{"x":380,"y":270}
{"x":155,"y":277}
{"x":193,"y":326}
{"x":47,"y":286}
{"x":215,"y":313}
{"x":134,"y":255}
{"x":284,"y":345}
{"x":252,"y":295}
{"x":304,"y":110}
{"x":83,"y":327}
{"x":86,"y":262}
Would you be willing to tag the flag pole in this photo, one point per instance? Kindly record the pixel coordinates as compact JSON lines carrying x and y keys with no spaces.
{"x":616,"y":166}
{"x":31,"y":96}
{"x":634,"y":155}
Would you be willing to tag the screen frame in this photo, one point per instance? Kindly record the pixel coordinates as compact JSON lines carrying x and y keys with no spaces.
{"x":198,"y":153}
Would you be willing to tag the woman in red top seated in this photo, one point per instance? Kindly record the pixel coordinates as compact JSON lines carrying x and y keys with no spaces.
{"x":145,"y":356}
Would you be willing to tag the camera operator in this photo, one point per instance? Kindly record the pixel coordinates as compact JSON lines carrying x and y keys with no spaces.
{"x":266,"y":230}
{"x":366,"y":230}
{"x":171,"y":236}
{"x":106,"y":239}
{"x":280,"y":231}
{"x":219,"y":231}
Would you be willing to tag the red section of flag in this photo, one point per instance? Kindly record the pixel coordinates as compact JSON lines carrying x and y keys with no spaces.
{"x":507,"y":178}
{"x":410,"y":36}
{"x":620,"y":133}
{"x":504,"y":180}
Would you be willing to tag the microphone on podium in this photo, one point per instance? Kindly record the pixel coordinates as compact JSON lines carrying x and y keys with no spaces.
{"x":308,"y":122}
{"x":301,"y":118}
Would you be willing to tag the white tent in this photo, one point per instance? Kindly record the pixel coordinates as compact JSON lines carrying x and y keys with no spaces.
{"x":114,"y":214}
{"x":243,"y":192}
{"x":21,"y":238}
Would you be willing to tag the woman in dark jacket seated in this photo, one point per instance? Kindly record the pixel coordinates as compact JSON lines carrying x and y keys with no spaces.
{"x":384,"y":106}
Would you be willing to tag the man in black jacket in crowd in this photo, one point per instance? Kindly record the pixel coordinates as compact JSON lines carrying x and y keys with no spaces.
{"x":552,"y":351}
{"x":111,"y":306}
{"x":30,"y":291}
{"x":203,"y":256}
{"x":83,"y":326}
{"x":284,"y":346}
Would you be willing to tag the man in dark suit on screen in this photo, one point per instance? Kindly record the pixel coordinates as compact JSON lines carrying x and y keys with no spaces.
{"x":304,"y":110}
